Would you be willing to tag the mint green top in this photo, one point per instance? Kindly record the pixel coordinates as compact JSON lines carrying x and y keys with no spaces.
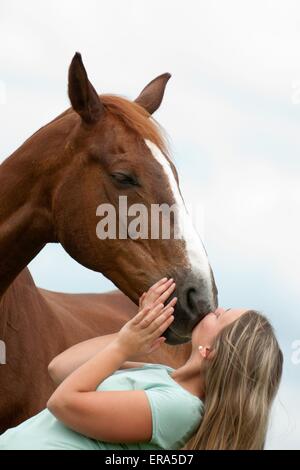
{"x":176,"y":415}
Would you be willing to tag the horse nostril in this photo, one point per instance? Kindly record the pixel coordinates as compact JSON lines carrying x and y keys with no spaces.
{"x":193,"y":301}
{"x":191,"y":298}
{"x":196,"y":305}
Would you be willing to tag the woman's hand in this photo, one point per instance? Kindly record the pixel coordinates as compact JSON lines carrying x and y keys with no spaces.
{"x":142,"y":334}
{"x":164,"y":287}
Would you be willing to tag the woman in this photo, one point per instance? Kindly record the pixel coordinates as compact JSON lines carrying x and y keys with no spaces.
{"x":219,"y":399}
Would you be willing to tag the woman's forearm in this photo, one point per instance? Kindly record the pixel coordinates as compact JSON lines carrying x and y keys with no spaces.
{"x":68,"y":361}
{"x":88,"y":376}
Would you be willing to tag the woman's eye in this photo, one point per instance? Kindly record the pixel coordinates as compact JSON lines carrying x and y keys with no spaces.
{"x":126,"y":180}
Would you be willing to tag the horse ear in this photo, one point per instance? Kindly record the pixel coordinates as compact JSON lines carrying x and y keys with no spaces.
{"x":151,"y":96}
{"x":83,"y":96}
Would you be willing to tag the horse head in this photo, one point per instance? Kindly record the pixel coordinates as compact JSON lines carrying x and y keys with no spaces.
{"x":116,"y":152}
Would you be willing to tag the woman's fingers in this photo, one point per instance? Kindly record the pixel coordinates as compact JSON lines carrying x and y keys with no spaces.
{"x":142,"y":297}
{"x":162,"y":328}
{"x":162,"y":293}
{"x":166,"y":293}
{"x":156,"y":290}
{"x":162,"y":287}
{"x":151,"y":315}
{"x":139,"y":316}
{"x":154,"y":312}
{"x":158,"y":283}
{"x":150,"y":312}
{"x":172,"y":303}
{"x":164,"y":316}
{"x":157,"y":343}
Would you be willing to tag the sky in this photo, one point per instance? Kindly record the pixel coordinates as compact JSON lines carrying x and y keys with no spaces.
{"x":232,"y":114}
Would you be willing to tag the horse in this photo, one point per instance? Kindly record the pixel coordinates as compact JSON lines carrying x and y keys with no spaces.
{"x":101,"y":148}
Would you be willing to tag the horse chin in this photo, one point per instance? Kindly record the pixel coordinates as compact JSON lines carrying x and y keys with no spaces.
{"x":173,"y":338}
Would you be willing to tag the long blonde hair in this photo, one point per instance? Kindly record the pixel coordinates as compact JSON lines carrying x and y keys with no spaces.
{"x":241,"y":381}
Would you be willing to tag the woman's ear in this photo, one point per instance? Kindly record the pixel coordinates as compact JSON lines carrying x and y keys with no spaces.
{"x":206,"y":352}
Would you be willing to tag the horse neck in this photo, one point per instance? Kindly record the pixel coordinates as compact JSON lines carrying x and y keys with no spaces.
{"x":25,"y":191}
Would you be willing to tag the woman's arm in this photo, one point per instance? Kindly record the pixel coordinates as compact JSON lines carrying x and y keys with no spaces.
{"x":110,"y":415}
{"x":68,"y":361}
{"x":65,"y":363}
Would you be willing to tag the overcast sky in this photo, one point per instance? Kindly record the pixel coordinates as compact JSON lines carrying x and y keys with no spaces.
{"x":232,"y":112}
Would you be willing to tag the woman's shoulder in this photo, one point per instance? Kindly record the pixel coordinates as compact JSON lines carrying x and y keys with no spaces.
{"x":168,"y":375}
{"x":176,"y":413}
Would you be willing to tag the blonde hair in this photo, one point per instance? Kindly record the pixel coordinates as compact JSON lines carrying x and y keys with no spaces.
{"x":241,"y":381}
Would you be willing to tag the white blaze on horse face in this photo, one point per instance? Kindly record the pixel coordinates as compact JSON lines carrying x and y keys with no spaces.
{"x":195,"y":252}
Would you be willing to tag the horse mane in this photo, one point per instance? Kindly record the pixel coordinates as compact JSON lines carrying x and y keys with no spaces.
{"x":137,"y":119}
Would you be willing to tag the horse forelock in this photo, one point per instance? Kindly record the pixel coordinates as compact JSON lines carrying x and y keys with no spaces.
{"x":137,"y":119}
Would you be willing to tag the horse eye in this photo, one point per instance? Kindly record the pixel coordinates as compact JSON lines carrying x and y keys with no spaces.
{"x":125,"y":179}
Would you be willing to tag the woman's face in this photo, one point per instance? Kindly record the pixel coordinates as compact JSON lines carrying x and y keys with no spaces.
{"x":207,"y":329}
